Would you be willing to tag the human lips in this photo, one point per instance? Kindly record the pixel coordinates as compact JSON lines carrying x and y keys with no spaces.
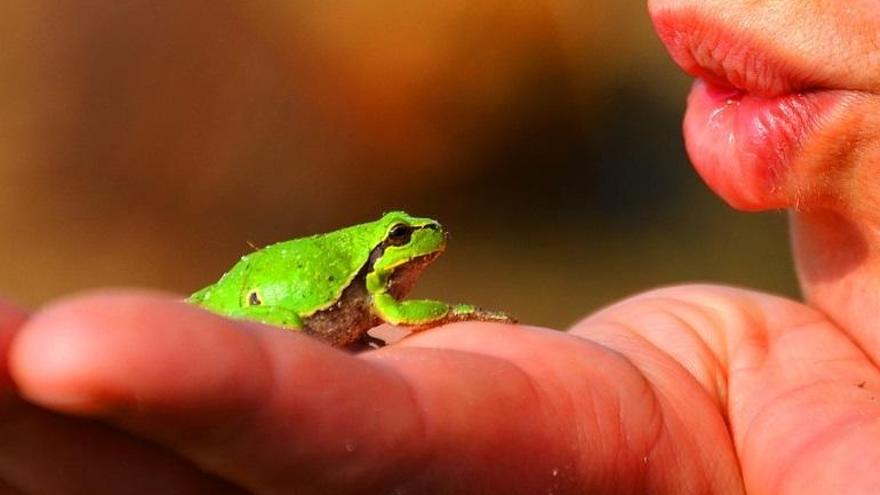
{"x":745,"y":146}
{"x":750,"y":113}
{"x":709,"y":50}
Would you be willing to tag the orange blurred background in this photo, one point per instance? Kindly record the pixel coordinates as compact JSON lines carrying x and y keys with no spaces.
{"x":146,"y":142}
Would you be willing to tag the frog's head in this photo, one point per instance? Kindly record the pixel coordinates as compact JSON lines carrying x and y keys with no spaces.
{"x":408,"y":245}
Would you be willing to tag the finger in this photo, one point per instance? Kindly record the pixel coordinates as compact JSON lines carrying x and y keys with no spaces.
{"x":280,"y":413}
{"x":43,"y":452}
{"x":273,"y":410}
{"x":800,"y":397}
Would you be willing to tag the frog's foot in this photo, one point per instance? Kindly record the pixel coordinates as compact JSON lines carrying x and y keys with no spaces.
{"x":365,"y":343}
{"x":372,"y":342}
{"x":457,"y":316}
{"x":467,"y":312}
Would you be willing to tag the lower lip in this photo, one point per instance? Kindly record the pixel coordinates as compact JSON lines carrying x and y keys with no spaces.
{"x":744,"y":146}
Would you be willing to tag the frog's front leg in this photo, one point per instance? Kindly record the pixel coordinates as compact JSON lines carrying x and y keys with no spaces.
{"x":269,"y":315}
{"x":425,"y":313}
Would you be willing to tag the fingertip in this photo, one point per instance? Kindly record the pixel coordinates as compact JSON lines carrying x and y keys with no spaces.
{"x":115,"y":351}
{"x":61,"y":353}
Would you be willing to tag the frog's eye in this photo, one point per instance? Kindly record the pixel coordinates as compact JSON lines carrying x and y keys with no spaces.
{"x":399,"y":235}
{"x":254,"y":299}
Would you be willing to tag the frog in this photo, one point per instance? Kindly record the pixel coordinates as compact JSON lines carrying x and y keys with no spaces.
{"x":338,"y":285}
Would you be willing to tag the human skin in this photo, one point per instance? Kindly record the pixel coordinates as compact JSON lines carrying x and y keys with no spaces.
{"x":694,"y":389}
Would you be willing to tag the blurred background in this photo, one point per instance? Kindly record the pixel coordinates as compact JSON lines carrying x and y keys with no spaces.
{"x":147,"y":142}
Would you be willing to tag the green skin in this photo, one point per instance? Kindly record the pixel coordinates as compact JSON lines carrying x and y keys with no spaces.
{"x":337,"y":286}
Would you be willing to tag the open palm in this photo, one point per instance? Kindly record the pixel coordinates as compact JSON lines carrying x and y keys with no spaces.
{"x":685,"y":390}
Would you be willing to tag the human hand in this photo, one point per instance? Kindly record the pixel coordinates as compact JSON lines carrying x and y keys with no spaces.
{"x":694,"y":389}
{"x":681,"y":390}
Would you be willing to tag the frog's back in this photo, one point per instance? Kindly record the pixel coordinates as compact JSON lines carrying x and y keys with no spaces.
{"x":302,"y":275}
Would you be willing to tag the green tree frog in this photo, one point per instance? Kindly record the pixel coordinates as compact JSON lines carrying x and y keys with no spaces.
{"x":337,"y":286}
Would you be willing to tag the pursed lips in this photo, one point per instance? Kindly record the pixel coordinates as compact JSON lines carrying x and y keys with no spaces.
{"x":751,"y":112}
{"x":711,"y":51}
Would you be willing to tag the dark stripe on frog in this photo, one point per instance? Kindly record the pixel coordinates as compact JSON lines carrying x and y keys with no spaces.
{"x":379,"y":250}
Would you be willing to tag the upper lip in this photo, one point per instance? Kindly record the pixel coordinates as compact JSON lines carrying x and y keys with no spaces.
{"x":709,"y":50}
